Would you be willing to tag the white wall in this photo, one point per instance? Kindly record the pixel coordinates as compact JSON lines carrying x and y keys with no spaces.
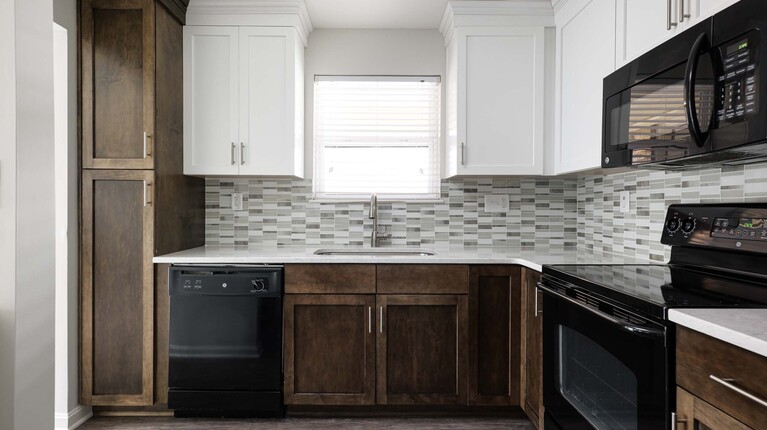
{"x":7,"y":211}
{"x":26,"y":215}
{"x":68,"y":411}
{"x":368,"y":52}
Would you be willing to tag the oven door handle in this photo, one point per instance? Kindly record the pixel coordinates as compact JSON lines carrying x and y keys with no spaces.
{"x":631,"y":328}
{"x":690,"y":110}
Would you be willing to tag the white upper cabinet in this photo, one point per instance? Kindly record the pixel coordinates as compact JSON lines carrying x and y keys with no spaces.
{"x":244,"y":88}
{"x":495,"y":98}
{"x":243,"y":101}
{"x":644,"y":24}
{"x":585,"y":55}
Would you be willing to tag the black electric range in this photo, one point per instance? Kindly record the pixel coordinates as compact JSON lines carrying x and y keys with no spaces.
{"x":608,"y":343}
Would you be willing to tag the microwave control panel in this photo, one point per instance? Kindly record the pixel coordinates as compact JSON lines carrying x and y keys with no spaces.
{"x":738,"y":84}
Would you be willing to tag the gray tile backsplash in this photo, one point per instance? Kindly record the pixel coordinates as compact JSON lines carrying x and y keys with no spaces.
{"x":278,"y":212}
{"x":544,"y":212}
{"x":602,"y":227}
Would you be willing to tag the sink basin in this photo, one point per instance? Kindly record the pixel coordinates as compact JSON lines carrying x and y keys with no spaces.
{"x":375,"y":251}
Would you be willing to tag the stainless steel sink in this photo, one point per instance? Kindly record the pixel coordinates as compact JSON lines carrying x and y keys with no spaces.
{"x":376,"y":251}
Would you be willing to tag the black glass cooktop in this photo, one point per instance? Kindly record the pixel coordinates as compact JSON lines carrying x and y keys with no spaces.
{"x":653,"y":289}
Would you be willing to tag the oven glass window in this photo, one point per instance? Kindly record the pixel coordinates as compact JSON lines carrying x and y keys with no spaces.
{"x":596,"y":383}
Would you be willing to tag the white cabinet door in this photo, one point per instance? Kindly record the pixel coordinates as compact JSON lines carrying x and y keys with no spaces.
{"x":210,"y":100}
{"x":499,"y":103}
{"x":269,"y":72}
{"x":707,"y":8}
{"x":644,"y":23}
{"x":585,"y":55}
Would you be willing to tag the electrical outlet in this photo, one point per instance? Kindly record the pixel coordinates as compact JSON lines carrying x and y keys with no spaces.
{"x":496,"y":203}
{"x":237,"y":201}
{"x":625,"y":201}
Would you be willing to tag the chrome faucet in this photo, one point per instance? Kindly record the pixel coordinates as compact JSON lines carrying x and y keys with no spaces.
{"x":375,"y":236}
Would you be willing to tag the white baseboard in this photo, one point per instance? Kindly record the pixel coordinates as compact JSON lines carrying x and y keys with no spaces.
{"x":74,"y":419}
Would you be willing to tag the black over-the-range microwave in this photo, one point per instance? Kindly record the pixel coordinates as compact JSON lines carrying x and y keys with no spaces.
{"x":697,"y":99}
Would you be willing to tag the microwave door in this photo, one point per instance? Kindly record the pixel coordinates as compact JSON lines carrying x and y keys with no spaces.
{"x":648,"y":122}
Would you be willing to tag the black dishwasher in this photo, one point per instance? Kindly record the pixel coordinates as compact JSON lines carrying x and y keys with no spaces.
{"x":225,"y":356}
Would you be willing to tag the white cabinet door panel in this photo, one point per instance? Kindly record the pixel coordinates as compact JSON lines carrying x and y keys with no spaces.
{"x":495,"y":101}
{"x":503,"y":107}
{"x":644,"y":24}
{"x":210,"y":100}
{"x":265,"y":54}
{"x":586,"y":54}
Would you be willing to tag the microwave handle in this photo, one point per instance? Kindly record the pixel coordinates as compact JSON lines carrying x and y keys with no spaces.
{"x":693,"y":125}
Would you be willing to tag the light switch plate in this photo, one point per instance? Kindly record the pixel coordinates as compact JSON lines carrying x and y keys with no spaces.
{"x":625,"y":201}
{"x":237,"y":201}
{"x":496,"y":203}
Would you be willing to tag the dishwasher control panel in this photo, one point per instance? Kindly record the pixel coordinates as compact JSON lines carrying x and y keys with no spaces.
{"x":225,"y":280}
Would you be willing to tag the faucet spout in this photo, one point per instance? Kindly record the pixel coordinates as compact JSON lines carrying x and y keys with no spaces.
{"x":373,"y":206}
{"x":374,"y":216}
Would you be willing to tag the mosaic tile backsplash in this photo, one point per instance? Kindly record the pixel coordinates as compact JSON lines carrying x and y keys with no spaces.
{"x":602,"y":227}
{"x":543,"y":212}
{"x":280,"y":212}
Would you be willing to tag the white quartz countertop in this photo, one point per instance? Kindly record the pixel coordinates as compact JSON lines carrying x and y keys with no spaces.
{"x":531,"y":258}
{"x":745,"y":328}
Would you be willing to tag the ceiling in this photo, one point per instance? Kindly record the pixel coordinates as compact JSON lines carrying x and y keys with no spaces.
{"x":377,"y":13}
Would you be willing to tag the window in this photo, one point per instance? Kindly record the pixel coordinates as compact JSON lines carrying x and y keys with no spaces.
{"x":376,"y":134}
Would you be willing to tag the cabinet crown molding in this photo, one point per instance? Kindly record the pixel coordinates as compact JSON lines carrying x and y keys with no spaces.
{"x":485,"y":13}
{"x":267,"y":13}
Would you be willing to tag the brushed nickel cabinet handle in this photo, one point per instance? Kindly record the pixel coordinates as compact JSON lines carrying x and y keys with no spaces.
{"x":232,"y":154}
{"x":463,"y":152}
{"x":536,"y":302}
{"x":147,"y":193}
{"x":675,"y":421}
{"x":669,"y":23}
{"x":380,"y":325}
{"x":147,"y":136}
{"x":682,"y":14}
{"x":728,"y":382}
{"x":242,"y":153}
{"x":370,"y":319}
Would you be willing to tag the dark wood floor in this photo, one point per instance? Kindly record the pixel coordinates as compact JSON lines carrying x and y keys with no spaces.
{"x":165,"y":423}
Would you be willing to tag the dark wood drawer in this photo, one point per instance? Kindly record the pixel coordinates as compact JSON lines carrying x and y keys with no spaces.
{"x":699,"y":357}
{"x":422,"y":279}
{"x":330,"y":279}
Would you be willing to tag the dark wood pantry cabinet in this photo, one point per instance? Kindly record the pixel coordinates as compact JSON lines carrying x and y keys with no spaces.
{"x":135,"y":201}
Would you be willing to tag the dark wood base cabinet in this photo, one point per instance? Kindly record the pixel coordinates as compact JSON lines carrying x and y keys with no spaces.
{"x":494,"y":335}
{"x":135,"y":202}
{"x":719,"y":385}
{"x":532,"y":311}
{"x":407,"y":335}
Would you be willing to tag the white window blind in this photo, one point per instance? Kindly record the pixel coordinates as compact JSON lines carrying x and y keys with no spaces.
{"x":376,"y":134}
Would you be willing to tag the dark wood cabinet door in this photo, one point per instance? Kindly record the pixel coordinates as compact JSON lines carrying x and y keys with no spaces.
{"x":533,"y":311}
{"x":421,"y":350}
{"x":698,"y":414}
{"x":329,"y":349}
{"x":494,"y":335}
{"x":117,"y":303}
{"x":118,"y":73}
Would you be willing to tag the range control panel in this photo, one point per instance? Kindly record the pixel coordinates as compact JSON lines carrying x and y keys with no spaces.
{"x":738,"y":82}
{"x":717,"y":226}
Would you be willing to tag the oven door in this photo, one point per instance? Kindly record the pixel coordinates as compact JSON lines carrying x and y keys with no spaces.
{"x":601,"y":372}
